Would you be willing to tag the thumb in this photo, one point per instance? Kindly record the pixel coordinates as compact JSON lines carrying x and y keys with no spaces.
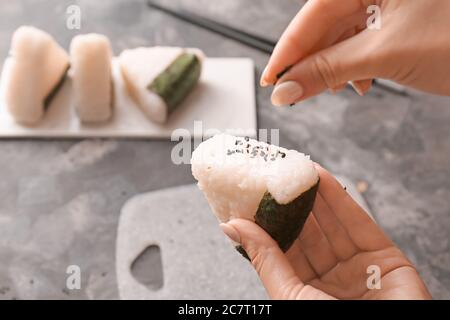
{"x":349,"y":60}
{"x":272,"y":266}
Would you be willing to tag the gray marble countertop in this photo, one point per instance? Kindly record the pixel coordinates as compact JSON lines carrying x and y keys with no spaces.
{"x":60,"y":200}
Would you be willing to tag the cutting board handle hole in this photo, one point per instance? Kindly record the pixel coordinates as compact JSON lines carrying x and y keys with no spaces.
{"x":147,"y":268}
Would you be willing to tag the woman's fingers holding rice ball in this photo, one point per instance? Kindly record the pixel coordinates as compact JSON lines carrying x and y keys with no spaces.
{"x":272,"y":265}
{"x":330,"y":257}
{"x":264,"y":253}
{"x":343,"y":220}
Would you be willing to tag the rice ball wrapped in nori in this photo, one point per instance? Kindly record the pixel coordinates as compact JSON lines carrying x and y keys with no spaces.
{"x":92,"y":77}
{"x":158,"y":79}
{"x":270,"y":185}
{"x":35,"y":70}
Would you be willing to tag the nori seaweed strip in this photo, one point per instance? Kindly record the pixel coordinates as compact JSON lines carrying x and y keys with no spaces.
{"x":242,"y":251}
{"x":177,"y":81}
{"x":285,"y":222}
{"x":48,"y":100}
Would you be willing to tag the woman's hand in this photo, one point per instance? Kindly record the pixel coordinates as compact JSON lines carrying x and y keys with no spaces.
{"x":328,"y":44}
{"x":331,"y":257}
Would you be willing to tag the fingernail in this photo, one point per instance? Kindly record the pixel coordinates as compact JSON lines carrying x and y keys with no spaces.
{"x":230,"y":232}
{"x":263,"y":81}
{"x":357,"y":88}
{"x":287,"y":93}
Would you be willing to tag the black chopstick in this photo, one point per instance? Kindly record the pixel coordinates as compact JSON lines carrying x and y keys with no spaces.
{"x":251,"y":40}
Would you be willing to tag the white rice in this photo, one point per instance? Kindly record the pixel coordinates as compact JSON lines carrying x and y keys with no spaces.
{"x":235,"y":184}
{"x":92,"y":77}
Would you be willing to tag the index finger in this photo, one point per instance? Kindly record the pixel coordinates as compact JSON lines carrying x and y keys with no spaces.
{"x":308,"y":27}
{"x":271,"y":264}
{"x":362,"y":230}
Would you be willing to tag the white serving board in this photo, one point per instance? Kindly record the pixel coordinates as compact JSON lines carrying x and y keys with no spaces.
{"x":224,"y":100}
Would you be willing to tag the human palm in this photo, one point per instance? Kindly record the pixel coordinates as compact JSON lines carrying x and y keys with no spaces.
{"x":335,"y":255}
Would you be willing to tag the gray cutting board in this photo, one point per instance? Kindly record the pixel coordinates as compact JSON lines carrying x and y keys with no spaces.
{"x":198,"y":262}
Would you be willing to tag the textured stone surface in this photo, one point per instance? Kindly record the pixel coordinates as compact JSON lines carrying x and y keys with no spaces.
{"x":60,"y":200}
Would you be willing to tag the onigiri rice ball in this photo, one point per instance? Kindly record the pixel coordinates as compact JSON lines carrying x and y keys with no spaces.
{"x":247,"y":179}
